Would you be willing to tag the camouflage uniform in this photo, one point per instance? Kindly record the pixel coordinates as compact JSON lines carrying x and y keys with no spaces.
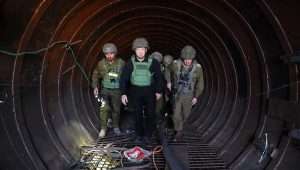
{"x":109,"y":74}
{"x":168,"y":110}
{"x":187,"y":82}
{"x":167,"y":62}
{"x":159,"y":105}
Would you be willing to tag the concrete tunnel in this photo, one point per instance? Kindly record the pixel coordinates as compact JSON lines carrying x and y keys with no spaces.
{"x":248,"y":49}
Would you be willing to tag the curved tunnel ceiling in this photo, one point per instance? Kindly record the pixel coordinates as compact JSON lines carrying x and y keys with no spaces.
{"x":49,"y":110}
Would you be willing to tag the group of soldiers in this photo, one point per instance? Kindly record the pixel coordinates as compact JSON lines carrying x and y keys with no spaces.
{"x":146,"y":83}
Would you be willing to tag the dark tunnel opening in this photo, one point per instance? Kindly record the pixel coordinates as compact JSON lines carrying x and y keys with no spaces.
{"x":251,"y":86}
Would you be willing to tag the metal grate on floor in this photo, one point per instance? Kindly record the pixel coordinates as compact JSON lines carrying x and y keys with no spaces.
{"x":127,"y":141}
{"x":200,"y":156}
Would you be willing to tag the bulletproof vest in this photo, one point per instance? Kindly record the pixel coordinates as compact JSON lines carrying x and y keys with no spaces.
{"x":112,"y":75}
{"x":185,"y":83}
{"x":141,"y":75}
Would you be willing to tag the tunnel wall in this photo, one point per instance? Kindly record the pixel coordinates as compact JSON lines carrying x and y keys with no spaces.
{"x":48,"y":109}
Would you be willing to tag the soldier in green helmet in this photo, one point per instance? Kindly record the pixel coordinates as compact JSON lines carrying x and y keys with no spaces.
{"x":157,"y":56}
{"x":167,"y":62}
{"x":159,"y":106}
{"x":187,"y":81}
{"x":108,"y":71}
{"x":140,"y":87}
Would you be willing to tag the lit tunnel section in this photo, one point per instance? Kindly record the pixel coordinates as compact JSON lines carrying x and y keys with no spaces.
{"x":48,"y":107}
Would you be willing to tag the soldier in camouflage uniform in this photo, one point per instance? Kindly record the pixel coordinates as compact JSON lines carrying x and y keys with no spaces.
{"x":167,"y":61}
{"x":186,"y":79}
{"x":108,"y":71}
{"x":159,"y":106}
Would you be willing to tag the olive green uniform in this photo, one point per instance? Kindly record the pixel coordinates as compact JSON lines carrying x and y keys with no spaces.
{"x":159,"y":106}
{"x":167,"y":63}
{"x":188,"y":83}
{"x":109,"y":74}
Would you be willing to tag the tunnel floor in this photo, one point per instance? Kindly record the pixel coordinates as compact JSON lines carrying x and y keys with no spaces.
{"x":190,"y":150}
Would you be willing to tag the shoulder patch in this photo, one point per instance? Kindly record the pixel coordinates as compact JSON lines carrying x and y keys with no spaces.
{"x":198,"y":65}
